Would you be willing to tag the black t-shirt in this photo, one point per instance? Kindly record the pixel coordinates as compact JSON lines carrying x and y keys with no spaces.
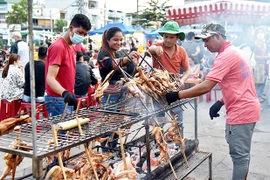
{"x":105,"y":67}
{"x":39,"y":78}
{"x":82,"y":78}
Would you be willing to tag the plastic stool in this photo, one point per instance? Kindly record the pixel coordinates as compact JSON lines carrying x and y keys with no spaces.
{"x":25,"y":106}
{"x":92,"y":100}
{"x":9,"y":108}
{"x":84,"y":101}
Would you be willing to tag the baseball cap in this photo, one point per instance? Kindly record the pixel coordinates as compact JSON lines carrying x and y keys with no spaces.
{"x":209,"y":30}
{"x":172,"y":27}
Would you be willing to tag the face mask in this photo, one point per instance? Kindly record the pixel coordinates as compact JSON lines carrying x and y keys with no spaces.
{"x":13,"y":40}
{"x":76,"y":39}
{"x":260,"y":36}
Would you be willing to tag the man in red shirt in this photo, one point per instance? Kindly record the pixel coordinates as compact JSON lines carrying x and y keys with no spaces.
{"x":60,"y":66}
{"x":79,"y":47}
{"x":232,"y":71}
{"x":172,"y":57}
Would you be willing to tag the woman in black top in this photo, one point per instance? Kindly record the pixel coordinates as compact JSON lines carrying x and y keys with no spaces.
{"x":108,"y":59}
{"x":111,"y":44}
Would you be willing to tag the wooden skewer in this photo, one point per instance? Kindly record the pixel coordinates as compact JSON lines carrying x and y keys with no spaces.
{"x":122,"y":151}
{"x":60,"y":162}
{"x":64,"y":113}
{"x":14,"y":164}
{"x":85,"y":144}
{"x":182,"y":146}
{"x":126,"y":138}
{"x":77,"y":119}
{"x":168,"y":160}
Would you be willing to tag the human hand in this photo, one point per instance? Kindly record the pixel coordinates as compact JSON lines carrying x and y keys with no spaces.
{"x":135,"y":56}
{"x":214,"y":109}
{"x":172,"y":97}
{"x":159,"y":50}
{"x":69,"y":98}
{"x":182,"y":83}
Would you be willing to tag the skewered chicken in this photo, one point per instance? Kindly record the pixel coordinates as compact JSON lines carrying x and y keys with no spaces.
{"x":12,"y":160}
{"x":96,"y":157}
{"x":132,"y":87}
{"x":121,"y":173}
{"x":162,"y":145}
{"x":174,"y":134}
{"x":56,"y":173}
{"x":87,"y":172}
{"x":102,"y":87}
{"x":7,"y":125}
{"x":157,"y":133}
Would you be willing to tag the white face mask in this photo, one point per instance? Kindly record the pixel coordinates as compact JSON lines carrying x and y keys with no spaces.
{"x":13,"y":40}
{"x":260,"y":36}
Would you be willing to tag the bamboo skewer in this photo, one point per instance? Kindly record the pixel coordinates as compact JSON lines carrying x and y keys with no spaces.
{"x":85,"y":144}
{"x":182,"y":146}
{"x":60,"y":162}
{"x":77,"y":119}
{"x":64,"y":113}
{"x":14,"y":163}
{"x":162,"y":136}
{"x":14,"y":168}
{"x":122,"y":151}
{"x":169,"y":160}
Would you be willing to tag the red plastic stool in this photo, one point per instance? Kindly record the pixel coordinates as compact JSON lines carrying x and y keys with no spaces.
{"x":41,"y":108}
{"x":91,"y":90}
{"x":92,"y":100}
{"x":9,"y":108}
{"x":84,"y":101}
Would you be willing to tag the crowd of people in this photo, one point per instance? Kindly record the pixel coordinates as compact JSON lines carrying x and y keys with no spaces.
{"x":57,"y":74}
{"x":64,"y":72}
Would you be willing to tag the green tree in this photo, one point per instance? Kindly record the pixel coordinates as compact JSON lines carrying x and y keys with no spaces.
{"x":153,"y":12}
{"x":59,"y":24}
{"x":18,"y":13}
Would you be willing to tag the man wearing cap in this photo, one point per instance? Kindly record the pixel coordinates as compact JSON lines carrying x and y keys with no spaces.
{"x":233,"y":73}
{"x":171,"y":56}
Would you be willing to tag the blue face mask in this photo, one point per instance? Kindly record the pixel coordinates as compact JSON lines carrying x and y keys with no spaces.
{"x":76,"y":39}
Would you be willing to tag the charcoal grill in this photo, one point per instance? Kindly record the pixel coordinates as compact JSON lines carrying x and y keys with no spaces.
{"x":128,"y":116}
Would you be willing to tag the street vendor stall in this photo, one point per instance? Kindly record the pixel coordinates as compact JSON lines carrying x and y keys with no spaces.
{"x":154,"y":155}
{"x":248,"y":12}
{"x":158,"y":154}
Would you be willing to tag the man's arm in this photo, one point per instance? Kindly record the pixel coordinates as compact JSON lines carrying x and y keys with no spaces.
{"x":158,"y":50}
{"x":197,"y":90}
{"x":51,"y":79}
{"x":185,"y":76}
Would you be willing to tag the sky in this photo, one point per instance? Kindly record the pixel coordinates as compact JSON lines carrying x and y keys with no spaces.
{"x":131,"y":5}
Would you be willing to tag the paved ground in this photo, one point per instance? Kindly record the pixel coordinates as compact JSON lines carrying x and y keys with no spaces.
{"x":211,"y":138}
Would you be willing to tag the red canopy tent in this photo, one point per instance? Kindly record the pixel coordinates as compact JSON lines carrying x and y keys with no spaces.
{"x":248,"y":12}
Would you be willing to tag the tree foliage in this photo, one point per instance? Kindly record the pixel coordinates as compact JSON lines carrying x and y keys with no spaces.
{"x":18,"y":13}
{"x":59,"y":24}
{"x":152,"y":13}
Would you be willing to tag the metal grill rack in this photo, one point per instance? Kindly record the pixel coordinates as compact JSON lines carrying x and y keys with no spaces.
{"x":99,"y":115}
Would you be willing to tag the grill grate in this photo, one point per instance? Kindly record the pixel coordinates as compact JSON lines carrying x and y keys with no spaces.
{"x":103,"y":120}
